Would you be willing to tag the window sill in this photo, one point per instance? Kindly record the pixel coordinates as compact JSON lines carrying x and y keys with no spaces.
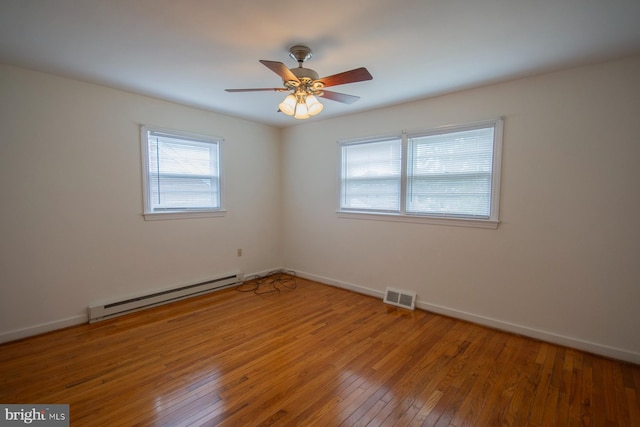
{"x":419,"y":219}
{"x":159,"y":216}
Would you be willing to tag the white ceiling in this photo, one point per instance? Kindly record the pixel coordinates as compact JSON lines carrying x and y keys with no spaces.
{"x":189,"y":51}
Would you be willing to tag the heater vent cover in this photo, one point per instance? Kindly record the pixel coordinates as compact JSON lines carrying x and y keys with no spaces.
{"x":135,"y":303}
{"x":400,"y":298}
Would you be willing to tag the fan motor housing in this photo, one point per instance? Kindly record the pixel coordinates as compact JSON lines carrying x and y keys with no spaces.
{"x":304,"y":73}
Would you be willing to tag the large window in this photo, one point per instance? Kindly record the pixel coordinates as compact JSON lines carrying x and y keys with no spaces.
{"x":181,"y":174}
{"x":449,"y":175}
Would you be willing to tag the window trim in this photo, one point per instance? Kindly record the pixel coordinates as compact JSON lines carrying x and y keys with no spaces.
{"x":450,"y":220}
{"x":148,"y":213}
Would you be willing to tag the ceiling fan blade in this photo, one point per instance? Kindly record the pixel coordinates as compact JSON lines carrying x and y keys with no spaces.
{"x":351,"y":76}
{"x":280,"y":69}
{"x":271,"y":89}
{"x":340,"y":97}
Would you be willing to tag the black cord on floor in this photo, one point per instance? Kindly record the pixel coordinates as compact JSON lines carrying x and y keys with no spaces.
{"x":269,"y":283}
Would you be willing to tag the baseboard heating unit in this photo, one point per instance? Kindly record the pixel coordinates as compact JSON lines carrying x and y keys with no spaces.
{"x":128,"y":305}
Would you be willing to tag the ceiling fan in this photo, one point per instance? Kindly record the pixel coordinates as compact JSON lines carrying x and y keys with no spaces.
{"x":304,"y":85}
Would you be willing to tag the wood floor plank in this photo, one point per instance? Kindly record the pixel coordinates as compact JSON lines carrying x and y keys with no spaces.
{"x":632,"y":405}
{"x":598,"y":410}
{"x":544,"y":384}
{"x":315,"y":355}
{"x":587,"y":391}
{"x":622,"y":410}
{"x":575,"y":389}
{"x":520,"y":406}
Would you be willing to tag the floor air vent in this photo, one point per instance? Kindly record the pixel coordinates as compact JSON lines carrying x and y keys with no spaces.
{"x":117,"y":308}
{"x":404,"y":299}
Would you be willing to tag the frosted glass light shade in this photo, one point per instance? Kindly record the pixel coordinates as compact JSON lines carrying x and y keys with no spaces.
{"x":301,"y":111}
{"x":313,"y":105}
{"x":288,"y":106}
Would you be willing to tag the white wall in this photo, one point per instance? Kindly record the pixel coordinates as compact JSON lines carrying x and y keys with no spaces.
{"x":71,"y":227}
{"x":564,"y":264}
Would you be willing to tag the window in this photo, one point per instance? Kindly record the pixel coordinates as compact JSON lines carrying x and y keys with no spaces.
{"x":448,"y":175}
{"x":181,"y":174}
{"x":371,"y":175}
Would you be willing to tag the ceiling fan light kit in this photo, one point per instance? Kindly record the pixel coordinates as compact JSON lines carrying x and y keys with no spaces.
{"x":304,"y":85}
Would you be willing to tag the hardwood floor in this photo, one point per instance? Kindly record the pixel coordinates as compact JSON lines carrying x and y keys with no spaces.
{"x":312,"y":356}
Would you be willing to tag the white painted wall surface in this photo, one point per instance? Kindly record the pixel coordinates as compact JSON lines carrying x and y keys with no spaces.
{"x":71,"y":225}
{"x":564,"y":264}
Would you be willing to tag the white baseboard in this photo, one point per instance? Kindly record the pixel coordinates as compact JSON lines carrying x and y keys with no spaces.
{"x":266,"y":272}
{"x":339,"y":284}
{"x":591,"y":347}
{"x":550,"y":337}
{"x":42,"y":328}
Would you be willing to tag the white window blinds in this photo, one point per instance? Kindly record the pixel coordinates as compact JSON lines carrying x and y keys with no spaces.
{"x":371,"y":175}
{"x":446,"y":175}
{"x":450,"y":173}
{"x":183,"y":173}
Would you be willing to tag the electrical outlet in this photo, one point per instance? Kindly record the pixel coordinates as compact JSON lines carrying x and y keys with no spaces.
{"x":239,"y":251}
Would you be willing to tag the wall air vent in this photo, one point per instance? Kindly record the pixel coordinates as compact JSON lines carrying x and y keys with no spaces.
{"x":400,"y":298}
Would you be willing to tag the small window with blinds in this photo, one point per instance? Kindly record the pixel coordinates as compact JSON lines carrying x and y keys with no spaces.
{"x":182,"y":174}
{"x":371,"y":173}
{"x":448,"y":175}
